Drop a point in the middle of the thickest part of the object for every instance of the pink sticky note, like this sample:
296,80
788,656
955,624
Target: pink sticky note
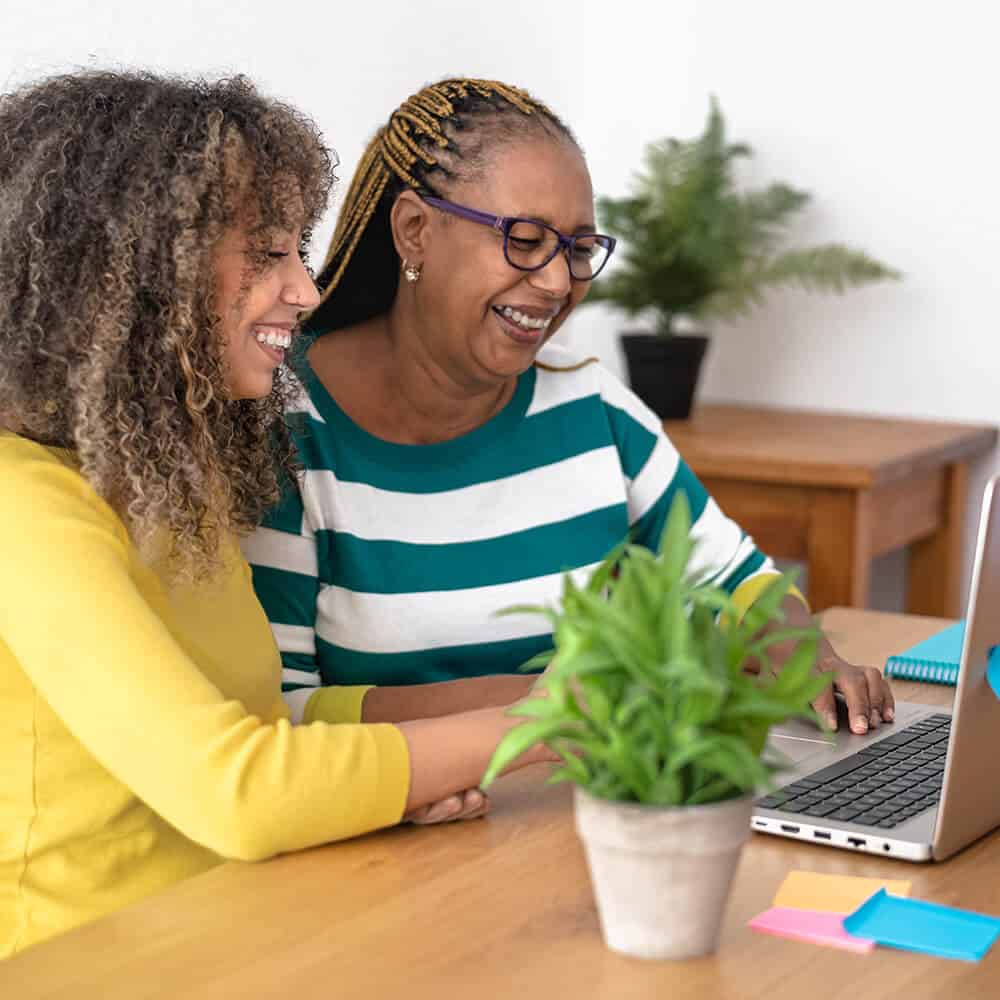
809,925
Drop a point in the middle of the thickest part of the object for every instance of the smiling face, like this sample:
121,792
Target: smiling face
482,318
261,289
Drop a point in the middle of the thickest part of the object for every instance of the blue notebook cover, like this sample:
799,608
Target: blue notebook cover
935,659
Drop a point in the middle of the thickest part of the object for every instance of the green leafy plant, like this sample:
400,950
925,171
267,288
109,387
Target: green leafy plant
694,245
646,698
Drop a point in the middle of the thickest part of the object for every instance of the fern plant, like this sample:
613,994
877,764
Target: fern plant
693,245
646,698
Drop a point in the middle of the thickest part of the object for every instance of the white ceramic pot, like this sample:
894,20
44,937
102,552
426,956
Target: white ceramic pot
662,875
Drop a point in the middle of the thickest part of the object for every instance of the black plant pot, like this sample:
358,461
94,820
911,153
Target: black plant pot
663,371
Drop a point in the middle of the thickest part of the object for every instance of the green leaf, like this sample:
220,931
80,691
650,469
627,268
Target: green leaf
675,542
537,708
518,740
537,662
717,790
530,609
603,573
645,699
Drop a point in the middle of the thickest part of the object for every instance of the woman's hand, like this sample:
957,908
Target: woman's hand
470,804
866,693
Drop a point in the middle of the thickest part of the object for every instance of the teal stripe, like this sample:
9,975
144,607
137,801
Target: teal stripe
635,443
648,529
389,567
287,598
349,666
554,435
298,661
747,568
287,514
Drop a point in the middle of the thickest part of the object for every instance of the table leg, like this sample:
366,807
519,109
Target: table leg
933,585
839,548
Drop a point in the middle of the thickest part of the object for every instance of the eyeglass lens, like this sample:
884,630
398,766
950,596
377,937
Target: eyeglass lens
531,245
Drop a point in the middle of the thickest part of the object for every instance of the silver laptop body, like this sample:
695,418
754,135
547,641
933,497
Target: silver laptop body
967,804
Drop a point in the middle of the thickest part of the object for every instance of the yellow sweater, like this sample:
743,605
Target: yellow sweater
143,736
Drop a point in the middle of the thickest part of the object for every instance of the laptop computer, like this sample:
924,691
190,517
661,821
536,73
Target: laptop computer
923,787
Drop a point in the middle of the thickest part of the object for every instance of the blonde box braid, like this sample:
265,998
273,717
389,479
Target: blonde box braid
439,129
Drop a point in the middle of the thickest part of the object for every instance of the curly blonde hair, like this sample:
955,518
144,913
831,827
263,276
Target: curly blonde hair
115,188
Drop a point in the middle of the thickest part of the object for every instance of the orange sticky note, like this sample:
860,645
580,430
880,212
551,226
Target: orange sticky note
832,893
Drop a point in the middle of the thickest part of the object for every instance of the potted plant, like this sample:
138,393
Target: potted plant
694,247
647,702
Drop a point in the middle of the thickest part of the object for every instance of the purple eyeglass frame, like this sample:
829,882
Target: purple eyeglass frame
504,223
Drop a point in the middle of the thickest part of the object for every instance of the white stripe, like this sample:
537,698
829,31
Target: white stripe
296,702
559,355
546,495
554,389
653,479
281,550
616,394
720,547
294,638
289,676
404,623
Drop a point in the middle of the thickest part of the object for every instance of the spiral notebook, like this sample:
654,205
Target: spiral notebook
934,660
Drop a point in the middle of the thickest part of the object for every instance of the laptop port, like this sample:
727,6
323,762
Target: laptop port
856,841
788,828
821,834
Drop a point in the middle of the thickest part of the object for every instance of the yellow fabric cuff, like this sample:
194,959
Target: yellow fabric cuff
336,704
749,590
393,778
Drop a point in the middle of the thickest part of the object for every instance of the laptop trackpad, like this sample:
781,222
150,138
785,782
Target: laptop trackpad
797,740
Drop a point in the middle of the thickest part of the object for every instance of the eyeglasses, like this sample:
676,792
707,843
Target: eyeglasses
529,244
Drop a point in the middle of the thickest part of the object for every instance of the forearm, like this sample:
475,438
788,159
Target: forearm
450,755
431,701
797,615
866,694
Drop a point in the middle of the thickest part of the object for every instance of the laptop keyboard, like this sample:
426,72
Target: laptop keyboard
882,785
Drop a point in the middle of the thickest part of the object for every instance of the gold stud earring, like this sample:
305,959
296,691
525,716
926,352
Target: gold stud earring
411,271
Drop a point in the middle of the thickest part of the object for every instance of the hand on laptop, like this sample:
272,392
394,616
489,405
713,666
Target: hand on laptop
866,693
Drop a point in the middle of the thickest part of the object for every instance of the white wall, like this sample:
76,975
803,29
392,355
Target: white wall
347,64
885,111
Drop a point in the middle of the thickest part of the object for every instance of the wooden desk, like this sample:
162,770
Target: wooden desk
500,907
834,491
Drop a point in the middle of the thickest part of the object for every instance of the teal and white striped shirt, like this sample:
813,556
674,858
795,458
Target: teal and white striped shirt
389,563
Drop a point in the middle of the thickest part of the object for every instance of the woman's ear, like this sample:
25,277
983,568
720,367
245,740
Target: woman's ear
409,220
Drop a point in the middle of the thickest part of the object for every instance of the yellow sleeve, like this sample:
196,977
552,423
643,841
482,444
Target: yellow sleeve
336,704
749,590
76,615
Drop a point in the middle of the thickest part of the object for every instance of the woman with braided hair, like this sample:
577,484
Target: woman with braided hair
150,283
456,461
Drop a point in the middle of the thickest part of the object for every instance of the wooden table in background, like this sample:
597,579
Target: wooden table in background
834,491
498,908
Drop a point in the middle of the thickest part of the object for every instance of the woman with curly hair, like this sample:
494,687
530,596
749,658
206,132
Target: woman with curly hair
150,284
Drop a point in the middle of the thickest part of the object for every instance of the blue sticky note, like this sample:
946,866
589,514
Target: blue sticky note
916,925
